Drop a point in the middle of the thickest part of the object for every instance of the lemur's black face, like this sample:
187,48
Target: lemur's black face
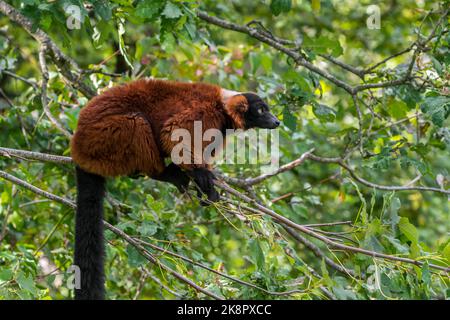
258,114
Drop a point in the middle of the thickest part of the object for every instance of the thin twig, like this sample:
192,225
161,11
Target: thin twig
66,64
110,227
318,253
161,284
16,76
245,283
318,236
44,98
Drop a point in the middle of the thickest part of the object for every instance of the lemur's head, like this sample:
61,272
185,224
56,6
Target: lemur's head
248,110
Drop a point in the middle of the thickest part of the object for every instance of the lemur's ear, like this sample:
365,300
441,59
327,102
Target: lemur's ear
235,107
237,103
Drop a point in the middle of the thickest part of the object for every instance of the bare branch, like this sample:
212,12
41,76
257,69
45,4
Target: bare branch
318,253
161,284
352,173
245,283
359,72
279,218
376,65
339,161
327,224
65,63
271,41
36,190
280,44
289,166
155,261
110,227
7,152
16,76
30,155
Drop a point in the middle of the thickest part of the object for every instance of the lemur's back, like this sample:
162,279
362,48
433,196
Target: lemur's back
119,131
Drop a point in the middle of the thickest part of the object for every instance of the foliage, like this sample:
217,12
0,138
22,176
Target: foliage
391,135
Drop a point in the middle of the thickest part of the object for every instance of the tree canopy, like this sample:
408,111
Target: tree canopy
358,209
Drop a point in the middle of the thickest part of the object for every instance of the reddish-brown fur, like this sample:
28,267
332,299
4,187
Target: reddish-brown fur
127,129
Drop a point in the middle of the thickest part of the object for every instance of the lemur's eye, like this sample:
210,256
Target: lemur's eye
260,110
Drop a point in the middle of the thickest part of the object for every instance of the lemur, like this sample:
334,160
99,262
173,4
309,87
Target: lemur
127,130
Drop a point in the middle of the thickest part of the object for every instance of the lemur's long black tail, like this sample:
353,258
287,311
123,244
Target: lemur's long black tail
89,246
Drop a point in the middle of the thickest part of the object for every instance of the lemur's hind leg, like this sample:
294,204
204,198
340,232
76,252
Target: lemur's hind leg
204,179
174,175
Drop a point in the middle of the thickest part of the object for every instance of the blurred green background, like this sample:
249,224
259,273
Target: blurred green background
405,130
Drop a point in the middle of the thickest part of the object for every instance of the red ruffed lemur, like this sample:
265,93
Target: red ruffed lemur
127,130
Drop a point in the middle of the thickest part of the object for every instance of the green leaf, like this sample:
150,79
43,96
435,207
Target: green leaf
4,197
315,5
147,229
323,45
344,294
266,62
46,21
191,29
437,65
171,11
257,253
397,244
437,108
168,43
103,10
446,252
30,2
5,274
255,61
135,259
324,113
289,119
408,229
406,162
26,282
426,275
397,109
408,94
149,9
393,212
279,6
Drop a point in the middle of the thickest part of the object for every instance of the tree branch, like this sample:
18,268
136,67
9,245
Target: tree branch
318,253
16,76
283,220
260,208
352,173
245,283
279,44
297,57
64,63
110,227
30,155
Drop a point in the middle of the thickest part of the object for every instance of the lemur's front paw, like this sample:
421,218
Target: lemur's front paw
176,176
205,182
182,182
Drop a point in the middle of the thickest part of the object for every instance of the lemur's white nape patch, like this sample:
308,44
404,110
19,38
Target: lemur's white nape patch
227,94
